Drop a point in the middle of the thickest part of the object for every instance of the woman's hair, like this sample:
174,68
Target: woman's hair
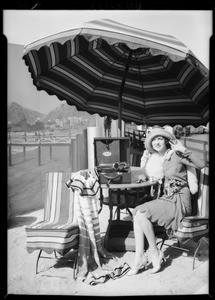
167,143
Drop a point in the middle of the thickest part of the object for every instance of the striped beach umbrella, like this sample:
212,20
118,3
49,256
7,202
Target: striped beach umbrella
123,72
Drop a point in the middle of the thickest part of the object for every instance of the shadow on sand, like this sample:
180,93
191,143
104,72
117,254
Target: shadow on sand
20,221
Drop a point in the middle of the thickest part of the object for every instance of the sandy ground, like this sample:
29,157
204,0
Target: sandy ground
56,277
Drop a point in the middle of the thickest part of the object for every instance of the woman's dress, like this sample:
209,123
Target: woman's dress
169,209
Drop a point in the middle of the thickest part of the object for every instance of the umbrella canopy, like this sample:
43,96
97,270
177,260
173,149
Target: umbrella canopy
123,72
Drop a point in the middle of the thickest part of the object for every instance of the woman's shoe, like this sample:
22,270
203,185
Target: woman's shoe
142,265
157,262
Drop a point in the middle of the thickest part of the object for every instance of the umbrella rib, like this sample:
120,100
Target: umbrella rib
121,90
150,77
178,83
141,82
111,63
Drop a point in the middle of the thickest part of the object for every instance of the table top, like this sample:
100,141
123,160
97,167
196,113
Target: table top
123,186
137,174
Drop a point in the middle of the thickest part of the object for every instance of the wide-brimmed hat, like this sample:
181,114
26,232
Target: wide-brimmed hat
157,132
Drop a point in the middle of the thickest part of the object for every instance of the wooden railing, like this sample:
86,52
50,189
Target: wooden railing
78,150
137,138
36,138
77,147
197,146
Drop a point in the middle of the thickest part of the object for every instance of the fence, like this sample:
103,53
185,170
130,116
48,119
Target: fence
137,139
77,147
200,146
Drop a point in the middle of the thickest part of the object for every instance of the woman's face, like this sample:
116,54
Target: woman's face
159,144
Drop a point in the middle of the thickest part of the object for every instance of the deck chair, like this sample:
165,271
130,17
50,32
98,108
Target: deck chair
195,226
58,232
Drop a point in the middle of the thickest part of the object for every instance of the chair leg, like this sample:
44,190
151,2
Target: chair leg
163,239
75,269
197,249
130,213
162,242
38,261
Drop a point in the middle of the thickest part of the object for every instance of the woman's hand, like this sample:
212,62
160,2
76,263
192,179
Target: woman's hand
176,145
144,158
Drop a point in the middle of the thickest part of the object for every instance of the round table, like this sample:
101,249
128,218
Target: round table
123,189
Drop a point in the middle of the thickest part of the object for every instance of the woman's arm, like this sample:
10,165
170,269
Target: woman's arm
188,157
144,158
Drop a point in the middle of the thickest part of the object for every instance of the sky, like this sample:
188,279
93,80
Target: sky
191,27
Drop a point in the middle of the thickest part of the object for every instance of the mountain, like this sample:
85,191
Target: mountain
16,113
63,111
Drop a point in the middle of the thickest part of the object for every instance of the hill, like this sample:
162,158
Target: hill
16,113
64,111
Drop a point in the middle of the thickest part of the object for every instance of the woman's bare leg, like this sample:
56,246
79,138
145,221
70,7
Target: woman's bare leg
139,247
157,256
139,240
148,230
143,226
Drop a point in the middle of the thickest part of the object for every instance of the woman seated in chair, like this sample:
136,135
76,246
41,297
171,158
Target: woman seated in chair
169,209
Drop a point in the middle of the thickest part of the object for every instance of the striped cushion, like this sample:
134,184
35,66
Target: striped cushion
59,229
193,226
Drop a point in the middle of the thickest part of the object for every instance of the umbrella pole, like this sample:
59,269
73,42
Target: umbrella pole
120,94
120,117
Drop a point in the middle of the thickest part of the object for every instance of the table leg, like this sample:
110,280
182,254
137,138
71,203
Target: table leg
101,200
118,204
126,202
109,221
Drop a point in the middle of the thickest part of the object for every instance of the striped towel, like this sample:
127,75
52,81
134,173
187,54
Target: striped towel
91,250
85,182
